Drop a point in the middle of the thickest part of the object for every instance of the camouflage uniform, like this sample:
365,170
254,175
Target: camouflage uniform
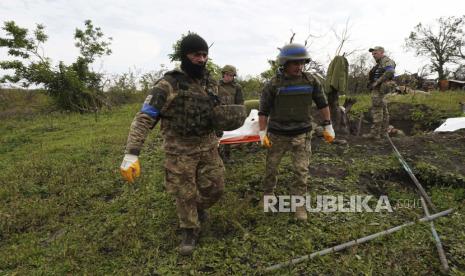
194,172
287,103
381,75
300,148
228,93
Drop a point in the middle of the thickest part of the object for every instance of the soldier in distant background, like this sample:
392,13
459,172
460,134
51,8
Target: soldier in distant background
229,92
380,84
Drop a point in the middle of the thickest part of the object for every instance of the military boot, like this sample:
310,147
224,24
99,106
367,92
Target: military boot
227,154
338,141
301,213
189,241
202,215
372,135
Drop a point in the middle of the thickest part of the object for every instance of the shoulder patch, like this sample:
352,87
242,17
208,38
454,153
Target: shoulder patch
147,100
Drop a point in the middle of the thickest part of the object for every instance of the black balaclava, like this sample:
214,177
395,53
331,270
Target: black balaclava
191,44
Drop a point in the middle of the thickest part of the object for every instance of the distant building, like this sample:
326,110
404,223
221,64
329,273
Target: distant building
456,85
428,85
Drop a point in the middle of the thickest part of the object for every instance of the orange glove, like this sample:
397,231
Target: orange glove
130,168
328,133
264,139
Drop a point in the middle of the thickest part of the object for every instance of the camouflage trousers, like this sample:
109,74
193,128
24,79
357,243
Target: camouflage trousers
379,110
225,152
300,148
196,181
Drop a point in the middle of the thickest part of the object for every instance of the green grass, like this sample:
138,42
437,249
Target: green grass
24,103
444,101
447,102
251,104
65,210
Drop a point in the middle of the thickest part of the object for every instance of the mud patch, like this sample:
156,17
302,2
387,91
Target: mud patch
412,118
322,171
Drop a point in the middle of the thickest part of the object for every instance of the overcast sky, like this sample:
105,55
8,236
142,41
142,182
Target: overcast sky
245,33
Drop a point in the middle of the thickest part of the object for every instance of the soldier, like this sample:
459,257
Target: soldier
285,119
380,83
229,92
184,100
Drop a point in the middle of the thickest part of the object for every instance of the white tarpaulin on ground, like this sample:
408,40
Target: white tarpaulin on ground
248,132
452,124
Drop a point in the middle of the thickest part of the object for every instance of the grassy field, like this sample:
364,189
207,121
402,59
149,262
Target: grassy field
65,210
443,101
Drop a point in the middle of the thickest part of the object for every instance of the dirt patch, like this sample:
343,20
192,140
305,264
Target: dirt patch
436,158
410,118
414,118
445,151
322,171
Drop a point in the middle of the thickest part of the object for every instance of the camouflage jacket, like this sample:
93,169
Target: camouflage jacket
230,93
287,102
161,104
384,70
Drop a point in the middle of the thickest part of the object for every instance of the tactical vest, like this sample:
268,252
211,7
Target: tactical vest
227,93
189,112
293,102
378,72
379,69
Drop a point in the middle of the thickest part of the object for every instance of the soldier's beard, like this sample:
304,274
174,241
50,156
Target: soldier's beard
193,70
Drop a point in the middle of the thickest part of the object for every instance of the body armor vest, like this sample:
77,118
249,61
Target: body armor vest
293,102
189,113
380,68
227,93
378,72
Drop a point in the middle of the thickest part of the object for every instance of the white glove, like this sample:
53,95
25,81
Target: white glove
328,133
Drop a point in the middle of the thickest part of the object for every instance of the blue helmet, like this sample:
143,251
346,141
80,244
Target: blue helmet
293,51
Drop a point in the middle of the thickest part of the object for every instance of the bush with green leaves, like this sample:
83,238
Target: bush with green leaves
74,87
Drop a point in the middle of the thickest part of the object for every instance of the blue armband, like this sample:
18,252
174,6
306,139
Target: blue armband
150,110
389,68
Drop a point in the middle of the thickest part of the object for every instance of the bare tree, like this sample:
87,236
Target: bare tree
358,73
342,37
441,45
